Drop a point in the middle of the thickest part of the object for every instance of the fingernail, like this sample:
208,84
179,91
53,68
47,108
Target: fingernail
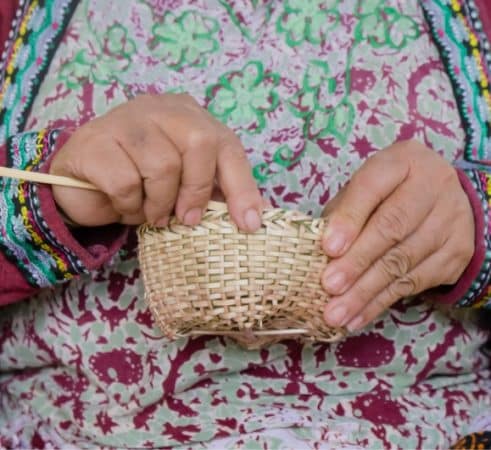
335,282
252,220
355,324
192,217
334,241
162,222
338,315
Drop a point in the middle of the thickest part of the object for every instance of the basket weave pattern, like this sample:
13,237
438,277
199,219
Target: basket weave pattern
257,288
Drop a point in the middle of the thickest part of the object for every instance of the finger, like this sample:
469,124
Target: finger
394,265
237,184
398,216
133,219
371,185
114,173
159,164
199,162
426,275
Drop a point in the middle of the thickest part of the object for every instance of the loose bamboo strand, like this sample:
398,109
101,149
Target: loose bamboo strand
45,178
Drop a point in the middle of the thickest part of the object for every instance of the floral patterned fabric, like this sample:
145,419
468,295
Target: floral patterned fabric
312,87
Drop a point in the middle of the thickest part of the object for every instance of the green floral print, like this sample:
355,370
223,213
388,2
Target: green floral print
307,20
113,56
384,25
243,97
185,40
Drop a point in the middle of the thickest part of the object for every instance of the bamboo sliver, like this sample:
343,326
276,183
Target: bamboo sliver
45,178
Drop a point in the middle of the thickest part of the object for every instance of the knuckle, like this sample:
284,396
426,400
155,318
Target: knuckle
396,263
359,297
404,286
199,140
381,302
124,186
392,224
164,165
155,210
350,216
197,191
138,137
360,262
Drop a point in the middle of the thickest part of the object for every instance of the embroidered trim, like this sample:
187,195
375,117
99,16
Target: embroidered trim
479,294
34,39
26,238
464,48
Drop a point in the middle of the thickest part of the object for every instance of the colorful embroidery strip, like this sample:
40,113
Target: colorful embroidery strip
453,24
38,32
26,238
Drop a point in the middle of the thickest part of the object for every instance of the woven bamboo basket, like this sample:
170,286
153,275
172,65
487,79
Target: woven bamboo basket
212,279
256,288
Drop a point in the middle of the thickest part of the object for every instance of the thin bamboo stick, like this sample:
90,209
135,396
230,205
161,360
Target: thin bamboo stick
45,178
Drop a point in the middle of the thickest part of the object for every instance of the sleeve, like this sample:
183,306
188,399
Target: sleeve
37,249
474,286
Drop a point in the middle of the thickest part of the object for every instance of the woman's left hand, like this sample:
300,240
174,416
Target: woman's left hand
401,226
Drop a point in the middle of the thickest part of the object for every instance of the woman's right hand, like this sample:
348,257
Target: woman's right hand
151,156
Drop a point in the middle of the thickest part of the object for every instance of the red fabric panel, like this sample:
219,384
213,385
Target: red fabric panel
7,13
485,15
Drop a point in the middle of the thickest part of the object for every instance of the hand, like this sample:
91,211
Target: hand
401,226
150,156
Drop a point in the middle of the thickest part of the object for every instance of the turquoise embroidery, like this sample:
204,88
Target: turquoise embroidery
27,239
464,57
479,293
464,51
28,58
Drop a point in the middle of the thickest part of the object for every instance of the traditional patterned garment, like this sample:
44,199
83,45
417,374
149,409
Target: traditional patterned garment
312,87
